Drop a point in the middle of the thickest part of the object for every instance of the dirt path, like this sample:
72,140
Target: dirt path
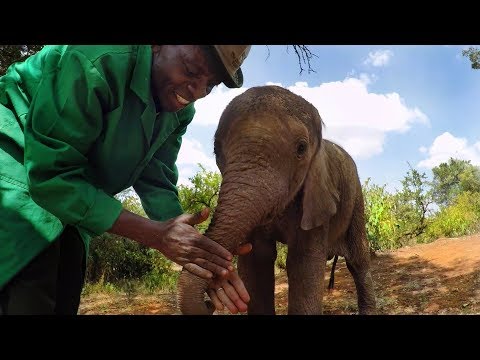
442,277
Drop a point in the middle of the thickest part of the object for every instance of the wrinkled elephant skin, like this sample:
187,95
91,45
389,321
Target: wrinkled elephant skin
283,182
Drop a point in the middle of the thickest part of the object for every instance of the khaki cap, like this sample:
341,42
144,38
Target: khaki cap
232,57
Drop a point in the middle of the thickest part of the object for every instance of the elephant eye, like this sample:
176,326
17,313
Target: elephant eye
301,148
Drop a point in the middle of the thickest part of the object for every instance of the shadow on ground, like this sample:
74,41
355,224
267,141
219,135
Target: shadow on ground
442,277
404,285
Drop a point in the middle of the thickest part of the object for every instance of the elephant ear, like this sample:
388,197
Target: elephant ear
320,195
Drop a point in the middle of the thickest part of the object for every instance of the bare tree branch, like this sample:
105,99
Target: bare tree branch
304,55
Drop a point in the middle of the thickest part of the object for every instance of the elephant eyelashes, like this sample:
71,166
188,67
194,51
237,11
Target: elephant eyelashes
301,148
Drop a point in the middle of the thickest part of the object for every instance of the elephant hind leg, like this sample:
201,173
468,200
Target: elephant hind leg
364,284
358,260
332,274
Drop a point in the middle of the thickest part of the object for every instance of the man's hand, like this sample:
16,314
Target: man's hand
230,291
179,241
183,244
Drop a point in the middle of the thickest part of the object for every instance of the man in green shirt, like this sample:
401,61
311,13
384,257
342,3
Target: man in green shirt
79,124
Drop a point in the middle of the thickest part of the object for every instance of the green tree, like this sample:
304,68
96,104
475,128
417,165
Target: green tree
202,193
474,55
452,178
13,53
462,217
412,205
470,179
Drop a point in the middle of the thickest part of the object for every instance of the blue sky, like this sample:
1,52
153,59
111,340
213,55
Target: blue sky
386,105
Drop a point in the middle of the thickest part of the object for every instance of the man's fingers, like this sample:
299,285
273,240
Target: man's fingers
216,269
240,288
225,299
244,249
199,271
215,300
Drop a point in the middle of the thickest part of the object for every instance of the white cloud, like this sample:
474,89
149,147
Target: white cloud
209,109
366,79
354,117
191,153
273,83
379,58
446,146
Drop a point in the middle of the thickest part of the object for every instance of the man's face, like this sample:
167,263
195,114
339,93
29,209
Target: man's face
182,74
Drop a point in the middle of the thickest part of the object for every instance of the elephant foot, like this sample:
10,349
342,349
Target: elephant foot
368,311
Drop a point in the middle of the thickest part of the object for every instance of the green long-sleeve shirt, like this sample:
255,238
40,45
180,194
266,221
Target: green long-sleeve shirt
77,125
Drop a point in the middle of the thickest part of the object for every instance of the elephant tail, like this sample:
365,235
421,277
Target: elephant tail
332,273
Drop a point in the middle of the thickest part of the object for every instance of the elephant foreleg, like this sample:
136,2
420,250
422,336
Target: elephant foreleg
257,272
306,261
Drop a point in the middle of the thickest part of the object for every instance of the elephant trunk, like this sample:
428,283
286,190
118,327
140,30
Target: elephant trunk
244,202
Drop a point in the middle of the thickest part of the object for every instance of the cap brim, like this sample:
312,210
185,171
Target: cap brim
231,82
234,82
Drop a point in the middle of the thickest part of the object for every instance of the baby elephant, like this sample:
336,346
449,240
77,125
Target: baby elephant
282,181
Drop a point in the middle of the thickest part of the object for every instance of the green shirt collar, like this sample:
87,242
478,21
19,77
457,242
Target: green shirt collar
141,78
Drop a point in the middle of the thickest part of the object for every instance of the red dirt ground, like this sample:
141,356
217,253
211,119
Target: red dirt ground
442,277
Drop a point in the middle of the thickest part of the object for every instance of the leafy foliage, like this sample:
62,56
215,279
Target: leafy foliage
203,193
460,218
470,178
13,53
392,220
474,55
452,178
380,224
412,205
117,260
282,251
113,259
407,216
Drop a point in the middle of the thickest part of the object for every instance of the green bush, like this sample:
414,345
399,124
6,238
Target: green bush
379,217
122,263
392,221
282,250
113,259
165,279
460,218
